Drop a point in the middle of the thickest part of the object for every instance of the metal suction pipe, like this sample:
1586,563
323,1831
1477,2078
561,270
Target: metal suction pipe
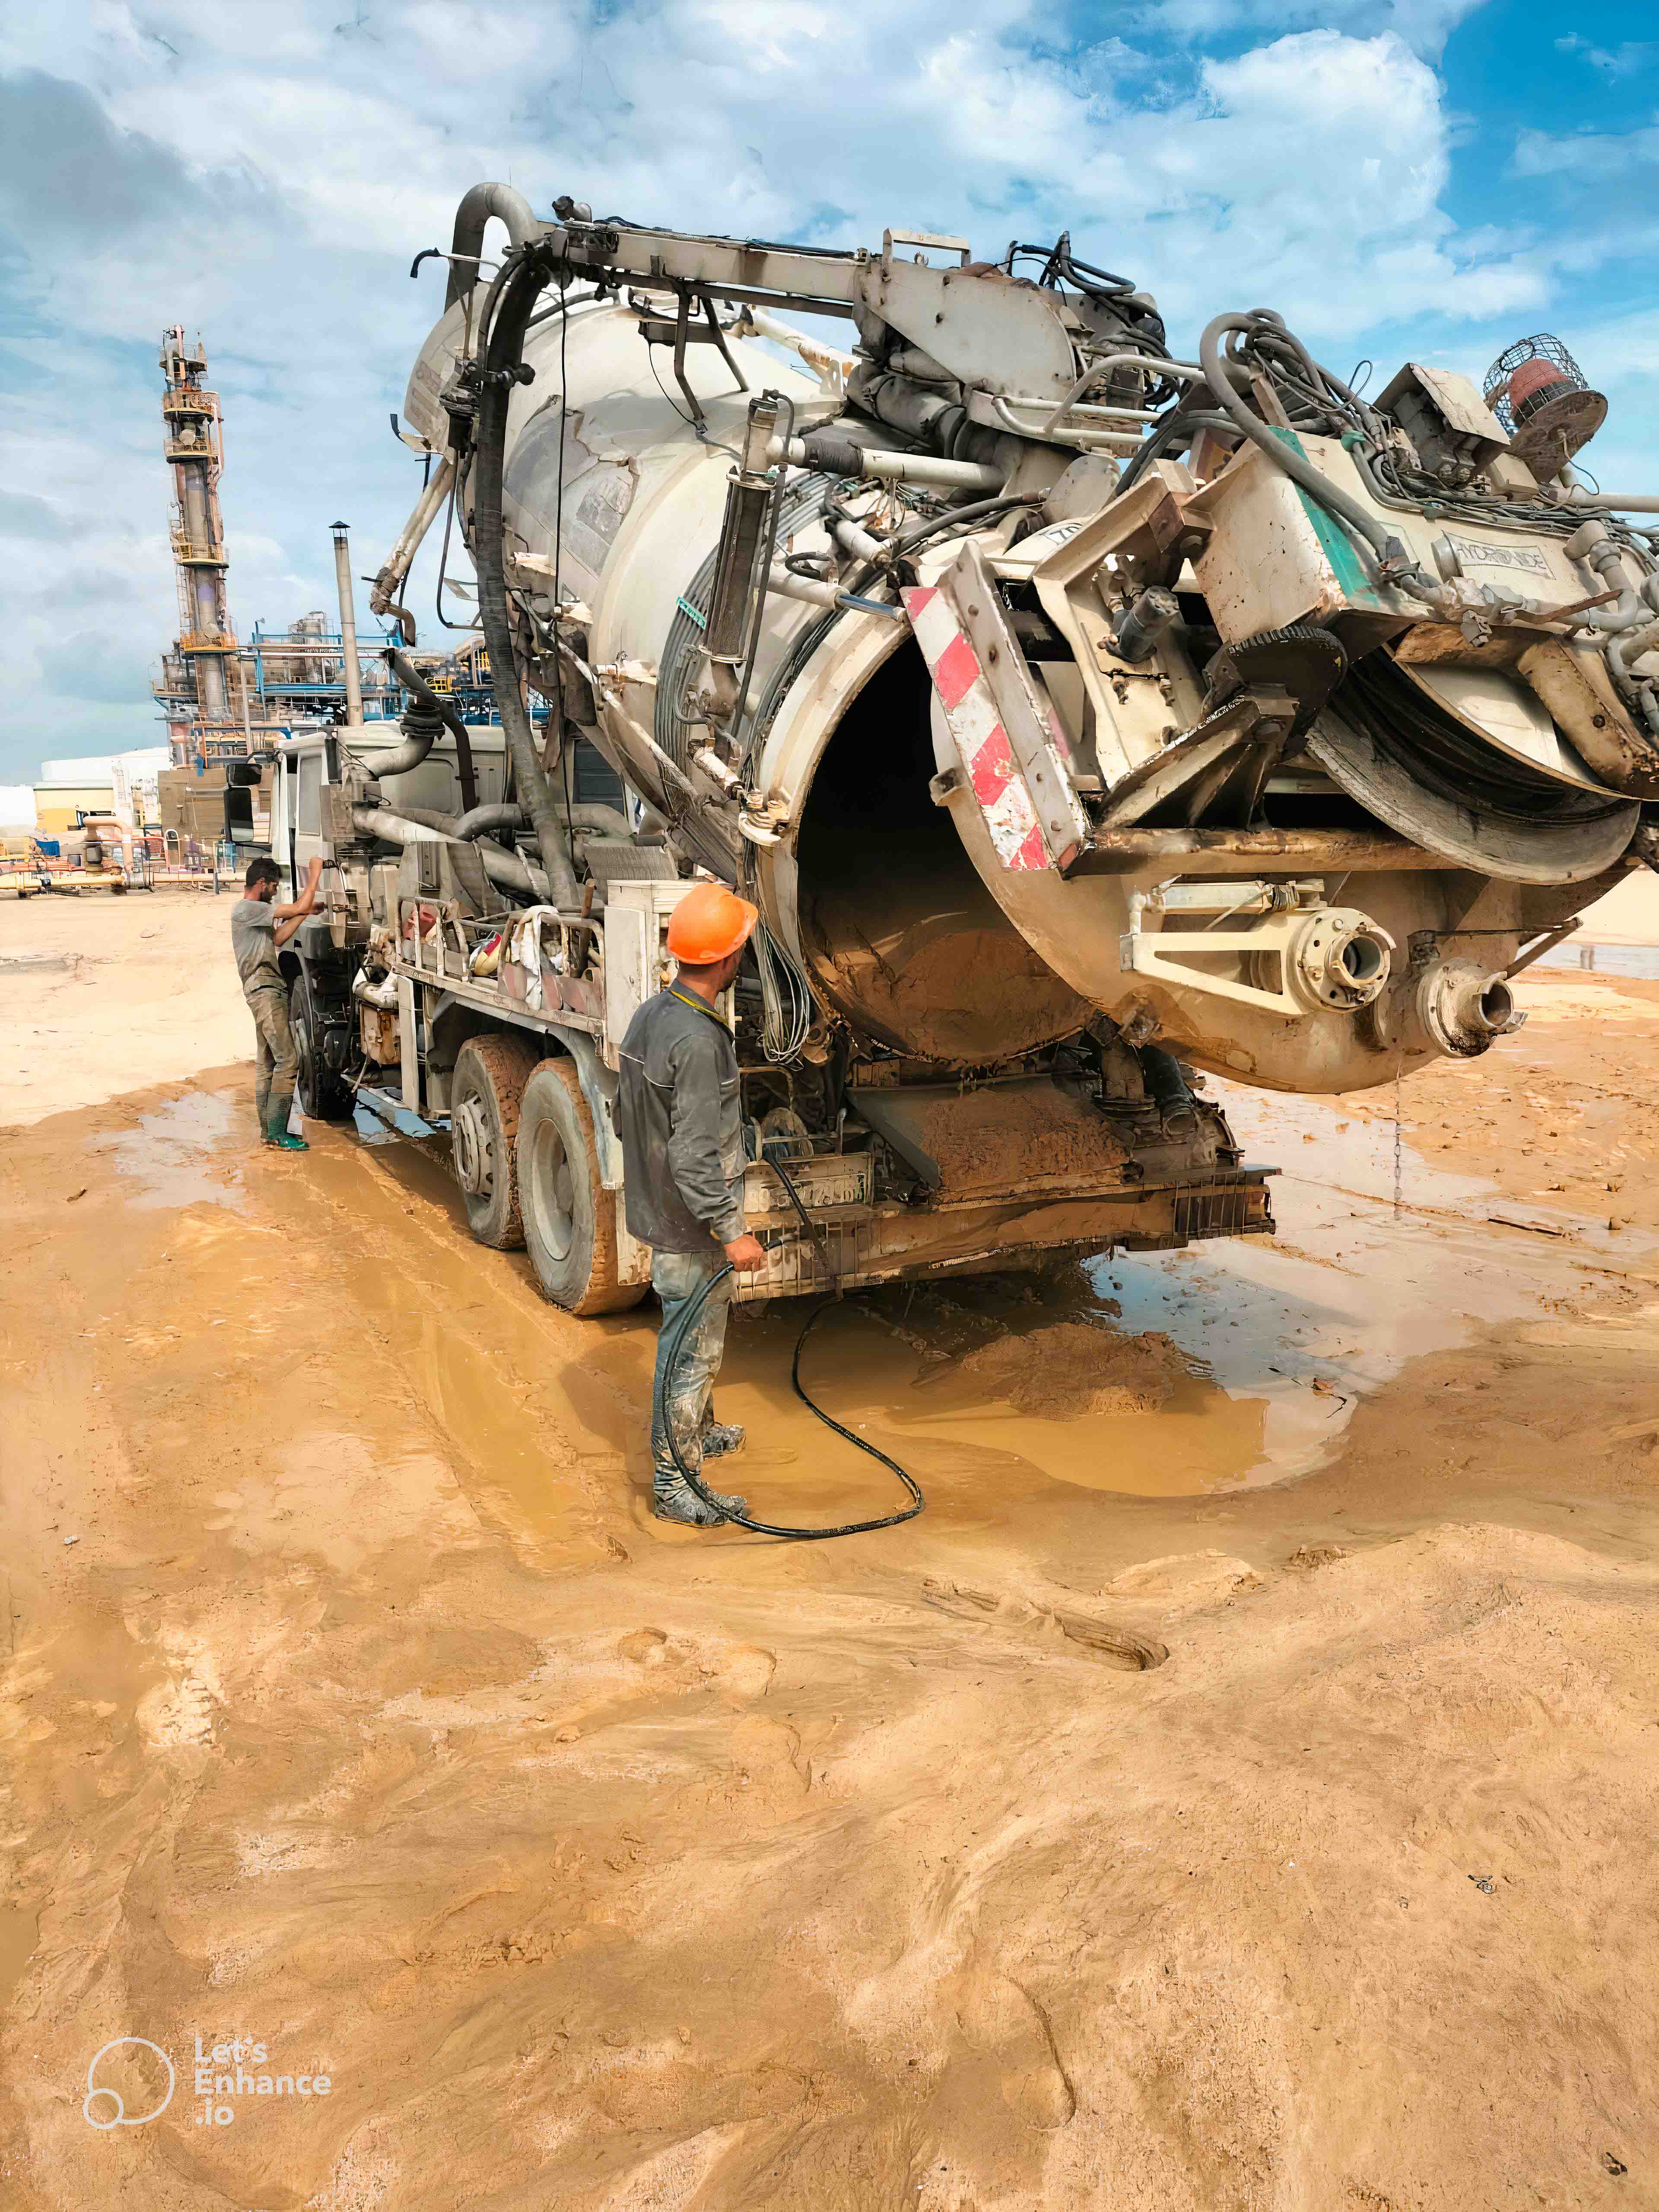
485,821
842,457
383,995
510,869
1591,542
1630,646
475,210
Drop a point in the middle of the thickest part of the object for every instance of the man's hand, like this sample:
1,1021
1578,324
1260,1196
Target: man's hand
295,910
746,1253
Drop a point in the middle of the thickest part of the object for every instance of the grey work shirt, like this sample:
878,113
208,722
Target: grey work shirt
680,1120
254,941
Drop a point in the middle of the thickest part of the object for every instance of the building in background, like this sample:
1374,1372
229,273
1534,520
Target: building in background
125,785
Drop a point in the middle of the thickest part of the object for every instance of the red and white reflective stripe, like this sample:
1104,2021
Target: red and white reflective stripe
987,756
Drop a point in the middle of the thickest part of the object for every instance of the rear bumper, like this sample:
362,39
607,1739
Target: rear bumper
889,1243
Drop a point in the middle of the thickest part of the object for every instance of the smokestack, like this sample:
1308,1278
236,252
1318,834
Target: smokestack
354,681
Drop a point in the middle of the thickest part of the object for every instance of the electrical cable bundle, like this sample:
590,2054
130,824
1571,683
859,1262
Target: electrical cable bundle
786,1001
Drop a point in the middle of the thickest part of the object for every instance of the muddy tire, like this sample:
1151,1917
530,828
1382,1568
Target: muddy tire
485,1101
322,1095
569,1218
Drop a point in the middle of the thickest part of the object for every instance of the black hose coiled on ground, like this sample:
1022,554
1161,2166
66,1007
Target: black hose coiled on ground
663,1393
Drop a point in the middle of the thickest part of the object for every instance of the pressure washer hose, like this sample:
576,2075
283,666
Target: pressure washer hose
663,1395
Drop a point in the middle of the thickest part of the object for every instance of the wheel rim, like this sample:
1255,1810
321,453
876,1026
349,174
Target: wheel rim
475,1163
555,1189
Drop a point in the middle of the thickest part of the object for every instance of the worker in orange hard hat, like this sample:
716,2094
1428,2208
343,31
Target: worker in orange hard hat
680,1117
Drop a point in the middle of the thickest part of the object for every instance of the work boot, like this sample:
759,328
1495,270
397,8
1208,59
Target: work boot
674,1499
719,1439
277,1137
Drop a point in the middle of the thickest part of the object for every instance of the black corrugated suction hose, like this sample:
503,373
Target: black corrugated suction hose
664,1394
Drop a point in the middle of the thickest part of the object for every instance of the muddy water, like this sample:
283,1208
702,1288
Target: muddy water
1282,1340
175,1156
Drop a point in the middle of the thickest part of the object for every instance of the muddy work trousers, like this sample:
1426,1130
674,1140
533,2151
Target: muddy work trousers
275,1061
676,1276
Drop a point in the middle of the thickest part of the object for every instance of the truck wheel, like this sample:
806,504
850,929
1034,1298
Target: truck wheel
485,1105
323,1096
569,1218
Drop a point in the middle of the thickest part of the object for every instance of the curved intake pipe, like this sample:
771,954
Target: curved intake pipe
510,869
383,995
431,712
485,821
482,820
483,201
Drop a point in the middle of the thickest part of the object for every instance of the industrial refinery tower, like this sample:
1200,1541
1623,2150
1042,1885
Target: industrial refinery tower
202,685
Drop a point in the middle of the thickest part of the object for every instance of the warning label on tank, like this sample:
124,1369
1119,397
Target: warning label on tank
1473,555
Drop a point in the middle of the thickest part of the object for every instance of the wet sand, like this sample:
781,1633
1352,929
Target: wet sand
1244,1803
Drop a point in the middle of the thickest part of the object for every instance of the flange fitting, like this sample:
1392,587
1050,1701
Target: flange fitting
1463,1007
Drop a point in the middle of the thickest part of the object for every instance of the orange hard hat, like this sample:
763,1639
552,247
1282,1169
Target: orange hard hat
709,923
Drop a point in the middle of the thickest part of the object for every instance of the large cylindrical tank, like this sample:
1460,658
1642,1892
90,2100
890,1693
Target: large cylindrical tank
897,907
894,923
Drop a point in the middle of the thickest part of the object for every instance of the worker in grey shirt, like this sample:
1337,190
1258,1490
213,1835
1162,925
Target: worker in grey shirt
258,927
680,1118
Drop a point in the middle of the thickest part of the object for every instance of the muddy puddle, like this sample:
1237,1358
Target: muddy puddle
173,1156
1230,1365
1641,961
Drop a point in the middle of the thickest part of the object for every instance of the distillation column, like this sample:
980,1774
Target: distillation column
194,448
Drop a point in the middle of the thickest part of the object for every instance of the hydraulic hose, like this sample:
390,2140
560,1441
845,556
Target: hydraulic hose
663,1395
431,703
505,359
1295,464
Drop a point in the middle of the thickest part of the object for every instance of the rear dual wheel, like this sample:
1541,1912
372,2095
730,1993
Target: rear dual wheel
569,1218
529,1171
490,1075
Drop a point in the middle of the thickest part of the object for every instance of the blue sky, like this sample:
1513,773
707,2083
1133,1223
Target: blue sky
1427,179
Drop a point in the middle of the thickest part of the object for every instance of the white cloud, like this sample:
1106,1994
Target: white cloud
1586,153
266,176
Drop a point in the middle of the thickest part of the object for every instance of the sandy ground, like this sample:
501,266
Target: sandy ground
105,993
1243,1802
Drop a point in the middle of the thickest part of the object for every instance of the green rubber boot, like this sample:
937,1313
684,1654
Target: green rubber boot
277,1137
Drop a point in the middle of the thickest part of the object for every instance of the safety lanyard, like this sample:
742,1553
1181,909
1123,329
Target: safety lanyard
703,1007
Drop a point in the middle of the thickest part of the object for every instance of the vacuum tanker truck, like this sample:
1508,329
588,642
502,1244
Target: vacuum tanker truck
1082,718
